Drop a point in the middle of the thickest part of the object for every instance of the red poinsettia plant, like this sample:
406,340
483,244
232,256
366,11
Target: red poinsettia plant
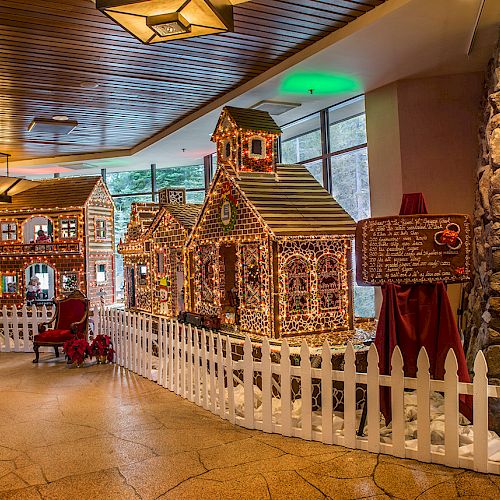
77,350
102,348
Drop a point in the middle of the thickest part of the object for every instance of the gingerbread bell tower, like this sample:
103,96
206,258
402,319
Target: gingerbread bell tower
247,140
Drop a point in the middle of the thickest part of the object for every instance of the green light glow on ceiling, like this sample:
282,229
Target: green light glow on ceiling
320,83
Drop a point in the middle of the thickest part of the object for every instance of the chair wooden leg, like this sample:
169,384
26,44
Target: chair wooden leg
37,354
56,350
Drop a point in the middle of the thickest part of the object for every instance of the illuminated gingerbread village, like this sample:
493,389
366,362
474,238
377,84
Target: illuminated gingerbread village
55,238
268,254
154,254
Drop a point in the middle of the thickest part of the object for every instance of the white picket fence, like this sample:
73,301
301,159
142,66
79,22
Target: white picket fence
197,365
17,326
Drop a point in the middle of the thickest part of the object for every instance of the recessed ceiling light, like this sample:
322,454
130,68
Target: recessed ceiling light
60,118
51,126
275,107
89,85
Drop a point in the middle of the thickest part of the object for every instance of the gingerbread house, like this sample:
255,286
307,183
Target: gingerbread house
154,255
271,251
60,236
136,259
164,242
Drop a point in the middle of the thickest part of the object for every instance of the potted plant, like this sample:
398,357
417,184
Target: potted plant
102,349
77,351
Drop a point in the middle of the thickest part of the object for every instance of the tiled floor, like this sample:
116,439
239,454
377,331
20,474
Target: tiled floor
101,432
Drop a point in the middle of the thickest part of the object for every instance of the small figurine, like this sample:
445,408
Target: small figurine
42,237
33,289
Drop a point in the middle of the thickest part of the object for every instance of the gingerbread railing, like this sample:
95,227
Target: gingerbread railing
40,248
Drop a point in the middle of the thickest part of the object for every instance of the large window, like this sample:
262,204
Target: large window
142,186
331,144
301,143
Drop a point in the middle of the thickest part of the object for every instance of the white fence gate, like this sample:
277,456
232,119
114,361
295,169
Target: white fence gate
17,327
274,395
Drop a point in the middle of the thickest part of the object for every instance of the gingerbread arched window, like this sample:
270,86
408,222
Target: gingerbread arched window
329,282
298,286
257,147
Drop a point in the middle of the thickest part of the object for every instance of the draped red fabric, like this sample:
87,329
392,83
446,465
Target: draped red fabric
415,316
413,203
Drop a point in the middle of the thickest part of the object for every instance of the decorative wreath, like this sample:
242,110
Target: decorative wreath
449,237
234,215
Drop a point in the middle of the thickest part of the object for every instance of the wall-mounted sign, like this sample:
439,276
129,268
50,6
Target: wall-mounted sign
409,249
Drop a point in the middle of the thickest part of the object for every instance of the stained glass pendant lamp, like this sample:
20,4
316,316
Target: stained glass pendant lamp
153,21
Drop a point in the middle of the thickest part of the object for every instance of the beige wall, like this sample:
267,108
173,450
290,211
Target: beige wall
422,137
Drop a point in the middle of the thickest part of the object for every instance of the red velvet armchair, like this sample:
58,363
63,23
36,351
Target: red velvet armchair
70,321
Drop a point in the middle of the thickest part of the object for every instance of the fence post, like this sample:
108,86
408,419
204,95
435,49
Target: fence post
177,358
161,366
373,401
230,383
350,397
220,377
248,383
213,387
190,363
326,394
26,330
183,361
286,390
451,409
204,368
423,406
171,360
196,375
397,403
6,329
267,395
150,348
306,391
34,321
127,318
480,401
118,343
15,328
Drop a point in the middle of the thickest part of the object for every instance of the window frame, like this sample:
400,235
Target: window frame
97,272
64,220
263,153
8,231
103,230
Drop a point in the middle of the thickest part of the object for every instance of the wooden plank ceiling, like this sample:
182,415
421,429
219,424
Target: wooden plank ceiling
51,49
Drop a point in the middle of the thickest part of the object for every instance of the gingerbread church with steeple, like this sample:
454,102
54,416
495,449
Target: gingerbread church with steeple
270,253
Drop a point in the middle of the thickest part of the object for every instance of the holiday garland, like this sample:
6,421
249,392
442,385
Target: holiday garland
227,197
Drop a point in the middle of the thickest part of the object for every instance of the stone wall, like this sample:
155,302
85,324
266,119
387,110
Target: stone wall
482,311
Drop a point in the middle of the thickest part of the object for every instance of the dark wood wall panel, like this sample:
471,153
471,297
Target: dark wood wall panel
49,48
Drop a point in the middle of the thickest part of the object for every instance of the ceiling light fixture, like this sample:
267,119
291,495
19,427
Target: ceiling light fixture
153,21
10,186
52,126
89,85
275,107
60,118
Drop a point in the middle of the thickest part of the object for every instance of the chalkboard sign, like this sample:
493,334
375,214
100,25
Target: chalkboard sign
409,249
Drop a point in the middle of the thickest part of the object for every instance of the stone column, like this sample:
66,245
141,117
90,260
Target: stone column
482,315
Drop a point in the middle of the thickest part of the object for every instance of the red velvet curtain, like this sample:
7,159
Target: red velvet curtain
415,316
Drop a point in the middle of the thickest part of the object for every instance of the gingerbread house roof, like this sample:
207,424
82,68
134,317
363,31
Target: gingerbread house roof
293,203
185,214
64,192
251,119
